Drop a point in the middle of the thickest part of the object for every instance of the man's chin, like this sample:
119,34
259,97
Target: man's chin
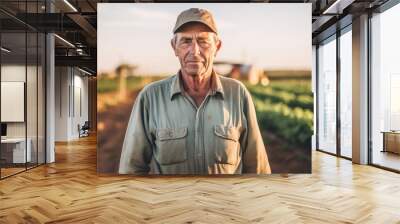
194,72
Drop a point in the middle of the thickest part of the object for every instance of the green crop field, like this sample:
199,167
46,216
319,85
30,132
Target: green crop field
286,109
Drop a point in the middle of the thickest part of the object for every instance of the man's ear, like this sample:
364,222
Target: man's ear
173,46
218,45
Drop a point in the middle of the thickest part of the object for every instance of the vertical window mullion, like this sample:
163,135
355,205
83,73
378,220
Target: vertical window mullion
338,74
26,86
37,89
317,97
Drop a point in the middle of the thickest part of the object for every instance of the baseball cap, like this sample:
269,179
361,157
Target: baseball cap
195,15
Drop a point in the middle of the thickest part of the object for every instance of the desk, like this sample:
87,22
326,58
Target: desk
17,150
391,141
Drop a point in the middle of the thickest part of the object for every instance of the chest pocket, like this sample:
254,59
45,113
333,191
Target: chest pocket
171,145
227,145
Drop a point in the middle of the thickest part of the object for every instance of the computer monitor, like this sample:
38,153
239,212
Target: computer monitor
3,129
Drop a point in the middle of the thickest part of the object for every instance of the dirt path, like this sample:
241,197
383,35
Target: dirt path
284,158
113,122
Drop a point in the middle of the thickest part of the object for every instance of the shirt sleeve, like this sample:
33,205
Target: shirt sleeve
255,159
137,147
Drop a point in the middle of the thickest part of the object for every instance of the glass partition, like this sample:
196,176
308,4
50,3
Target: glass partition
41,86
13,103
22,88
31,97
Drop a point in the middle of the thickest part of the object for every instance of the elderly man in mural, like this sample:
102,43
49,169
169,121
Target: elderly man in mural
194,122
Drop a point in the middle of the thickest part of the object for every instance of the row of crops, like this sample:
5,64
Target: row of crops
286,109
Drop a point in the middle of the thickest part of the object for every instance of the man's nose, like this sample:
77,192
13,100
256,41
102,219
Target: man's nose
194,47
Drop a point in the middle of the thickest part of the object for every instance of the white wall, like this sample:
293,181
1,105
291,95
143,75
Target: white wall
13,73
62,81
71,87
33,125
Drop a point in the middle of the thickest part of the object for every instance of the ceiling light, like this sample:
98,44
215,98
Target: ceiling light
84,71
5,50
71,6
65,41
338,6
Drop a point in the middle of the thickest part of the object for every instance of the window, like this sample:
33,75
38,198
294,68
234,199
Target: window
385,88
346,93
327,96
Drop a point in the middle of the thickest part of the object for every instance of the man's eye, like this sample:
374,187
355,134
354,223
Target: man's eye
204,43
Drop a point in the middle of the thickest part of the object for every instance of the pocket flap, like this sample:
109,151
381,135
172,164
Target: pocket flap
227,132
171,133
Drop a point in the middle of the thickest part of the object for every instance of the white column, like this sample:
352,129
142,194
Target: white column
360,90
50,98
50,92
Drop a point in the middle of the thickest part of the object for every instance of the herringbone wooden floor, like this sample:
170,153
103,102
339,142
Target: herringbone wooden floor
70,191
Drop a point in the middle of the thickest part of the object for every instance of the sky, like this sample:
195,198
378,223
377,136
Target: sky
269,36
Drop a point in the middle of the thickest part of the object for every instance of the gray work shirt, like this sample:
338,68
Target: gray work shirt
221,136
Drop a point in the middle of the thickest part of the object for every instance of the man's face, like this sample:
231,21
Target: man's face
196,47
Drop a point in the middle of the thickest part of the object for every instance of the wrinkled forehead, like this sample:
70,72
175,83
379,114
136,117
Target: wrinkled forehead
192,34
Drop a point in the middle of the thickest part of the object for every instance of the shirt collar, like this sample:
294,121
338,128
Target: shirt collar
216,85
